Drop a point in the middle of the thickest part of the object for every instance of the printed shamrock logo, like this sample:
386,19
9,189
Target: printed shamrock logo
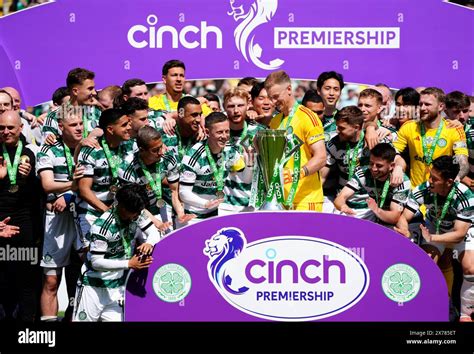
172,282
401,283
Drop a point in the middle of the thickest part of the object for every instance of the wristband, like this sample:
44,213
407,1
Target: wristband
305,170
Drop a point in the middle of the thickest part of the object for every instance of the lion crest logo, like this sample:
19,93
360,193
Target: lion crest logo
259,13
223,247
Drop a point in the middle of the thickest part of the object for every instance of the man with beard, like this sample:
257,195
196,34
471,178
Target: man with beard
426,141
205,168
301,173
238,186
386,203
430,138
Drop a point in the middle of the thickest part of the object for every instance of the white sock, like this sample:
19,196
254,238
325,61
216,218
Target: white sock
49,318
467,296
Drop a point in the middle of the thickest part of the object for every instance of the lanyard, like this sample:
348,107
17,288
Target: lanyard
12,169
167,102
112,160
290,116
384,192
428,155
352,155
155,186
69,161
446,205
218,172
125,236
84,125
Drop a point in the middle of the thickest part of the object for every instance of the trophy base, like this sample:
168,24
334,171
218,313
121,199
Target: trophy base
272,206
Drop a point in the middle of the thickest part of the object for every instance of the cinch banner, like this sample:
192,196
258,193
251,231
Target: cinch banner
287,266
398,42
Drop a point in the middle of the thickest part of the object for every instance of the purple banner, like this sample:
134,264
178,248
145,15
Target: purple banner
287,266
397,42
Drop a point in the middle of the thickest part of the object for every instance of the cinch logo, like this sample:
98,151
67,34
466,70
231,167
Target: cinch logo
285,278
259,13
189,37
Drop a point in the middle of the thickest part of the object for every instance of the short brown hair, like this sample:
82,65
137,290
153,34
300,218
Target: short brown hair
77,76
372,93
436,92
351,115
458,100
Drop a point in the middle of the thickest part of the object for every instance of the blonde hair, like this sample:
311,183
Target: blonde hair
235,92
277,78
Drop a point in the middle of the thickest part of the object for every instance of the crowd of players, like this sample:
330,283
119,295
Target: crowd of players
103,177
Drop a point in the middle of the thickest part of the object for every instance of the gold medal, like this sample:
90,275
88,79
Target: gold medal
160,203
113,189
24,159
220,194
13,188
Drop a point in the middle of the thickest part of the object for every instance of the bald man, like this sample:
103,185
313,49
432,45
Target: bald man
19,194
31,134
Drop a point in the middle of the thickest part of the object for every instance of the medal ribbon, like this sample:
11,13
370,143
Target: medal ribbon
352,155
12,169
428,155
112,160
290,117
446,205
384,192
218,172
167,102
125,236
155,186
69,160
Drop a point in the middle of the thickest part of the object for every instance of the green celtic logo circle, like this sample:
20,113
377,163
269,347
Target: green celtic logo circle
82,315
442,142
172,282
401,283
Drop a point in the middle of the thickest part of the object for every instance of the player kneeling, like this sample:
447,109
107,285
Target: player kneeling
99,296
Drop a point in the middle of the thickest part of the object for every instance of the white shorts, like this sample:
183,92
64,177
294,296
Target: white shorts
98,304
229,209
328,206
59,237
84,223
